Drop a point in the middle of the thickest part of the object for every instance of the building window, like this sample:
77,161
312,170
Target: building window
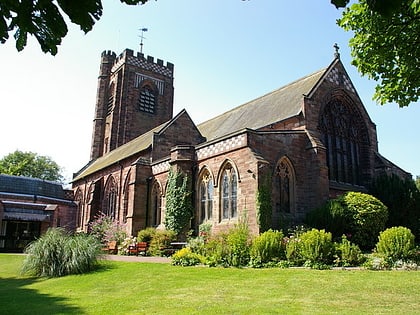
285,185
147,100
109,204
156,201
206,189
80,213
344,136
229,187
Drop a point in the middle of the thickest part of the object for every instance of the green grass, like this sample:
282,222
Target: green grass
145,288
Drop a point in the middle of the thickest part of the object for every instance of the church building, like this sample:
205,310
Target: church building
303,143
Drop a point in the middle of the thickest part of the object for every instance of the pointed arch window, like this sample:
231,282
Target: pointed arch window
109,204
206,189
344,137
147,99
285,185
229,187
80,213
125,199
156,205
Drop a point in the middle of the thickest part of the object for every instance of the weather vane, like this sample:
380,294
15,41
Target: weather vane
142,37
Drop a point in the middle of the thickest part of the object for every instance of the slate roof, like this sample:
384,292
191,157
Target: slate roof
30,186
275,106
128,149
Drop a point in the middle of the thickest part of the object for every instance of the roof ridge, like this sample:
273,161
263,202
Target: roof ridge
266,94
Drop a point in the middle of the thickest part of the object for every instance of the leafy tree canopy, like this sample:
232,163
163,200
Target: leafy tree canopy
386,48
30,164
44,19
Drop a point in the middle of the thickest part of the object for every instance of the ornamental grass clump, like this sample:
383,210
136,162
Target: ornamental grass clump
57,253
396,244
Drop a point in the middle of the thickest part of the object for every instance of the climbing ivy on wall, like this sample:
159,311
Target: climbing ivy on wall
179,207
264,204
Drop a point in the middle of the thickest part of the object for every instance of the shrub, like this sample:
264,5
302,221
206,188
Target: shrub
238,245
267,247
292,246
56,254
316,248
396,243
216,251
185,257
146,235
160,242
359,216
369,217
106,229
123,248
348,254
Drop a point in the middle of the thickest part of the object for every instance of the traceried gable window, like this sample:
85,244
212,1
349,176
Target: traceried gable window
344,136
206,189
147,100
229,192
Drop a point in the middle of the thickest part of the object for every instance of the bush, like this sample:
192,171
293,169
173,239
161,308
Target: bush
396,243
106,229
316,248
267,247
185,257
357,215
56,254
146,235
238,245
216,250
348,254
161,241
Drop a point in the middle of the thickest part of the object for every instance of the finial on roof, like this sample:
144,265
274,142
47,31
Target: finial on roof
336,54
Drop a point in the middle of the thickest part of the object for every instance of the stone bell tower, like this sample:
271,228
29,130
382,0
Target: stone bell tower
134,95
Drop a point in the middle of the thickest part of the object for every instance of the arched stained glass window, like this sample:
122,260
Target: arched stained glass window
229,187
344,135
156,201
206,189
109,204
285,185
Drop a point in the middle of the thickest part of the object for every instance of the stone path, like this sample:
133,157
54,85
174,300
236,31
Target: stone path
150,259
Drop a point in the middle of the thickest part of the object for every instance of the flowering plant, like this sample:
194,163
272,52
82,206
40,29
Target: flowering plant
106,229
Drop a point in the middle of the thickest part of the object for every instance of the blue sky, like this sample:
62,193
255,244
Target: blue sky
225,52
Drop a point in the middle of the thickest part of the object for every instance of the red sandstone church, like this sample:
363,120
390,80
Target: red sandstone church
305,142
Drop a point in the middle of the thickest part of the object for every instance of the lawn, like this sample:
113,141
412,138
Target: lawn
147,288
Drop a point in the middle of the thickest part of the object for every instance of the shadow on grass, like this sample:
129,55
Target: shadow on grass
15,298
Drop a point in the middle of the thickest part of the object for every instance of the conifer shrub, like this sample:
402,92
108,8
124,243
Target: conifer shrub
316,248
396,243
267,247
57,253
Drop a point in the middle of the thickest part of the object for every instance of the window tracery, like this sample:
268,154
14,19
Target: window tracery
229,187
206,189
109,204
285,185
344,136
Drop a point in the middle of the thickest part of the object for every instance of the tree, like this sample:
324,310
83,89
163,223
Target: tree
44,19
31,165
383,7
386,48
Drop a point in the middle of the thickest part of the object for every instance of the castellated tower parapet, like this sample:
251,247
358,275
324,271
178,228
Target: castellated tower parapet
134,95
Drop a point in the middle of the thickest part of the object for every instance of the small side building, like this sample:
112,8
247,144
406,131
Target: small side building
28,207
